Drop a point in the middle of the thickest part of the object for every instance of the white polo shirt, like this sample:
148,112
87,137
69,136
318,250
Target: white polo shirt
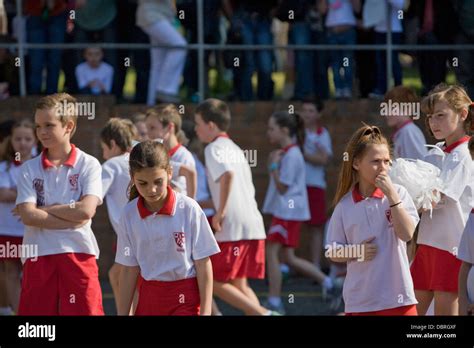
293,204
315,174
43,184
466,254
165,244
181,155
409,142
115,181
444,229
9,224
202,193
243,220
384,282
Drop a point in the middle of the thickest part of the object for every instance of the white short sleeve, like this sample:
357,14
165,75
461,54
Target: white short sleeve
408,204
125,252
25,190
335,233
204,243
215,161
466,247
108,175
91,180
456,176
288,171
326,142
176,166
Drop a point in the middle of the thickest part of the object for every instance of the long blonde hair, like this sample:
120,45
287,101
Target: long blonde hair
356,148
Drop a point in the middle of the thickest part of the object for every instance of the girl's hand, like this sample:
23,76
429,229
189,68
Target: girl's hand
383,182
369,249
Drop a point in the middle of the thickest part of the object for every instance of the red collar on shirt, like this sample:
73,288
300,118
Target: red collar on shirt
451,147
221,135
357,197
16,163
166,209
287,147
319,130
399,128
69,162
172,151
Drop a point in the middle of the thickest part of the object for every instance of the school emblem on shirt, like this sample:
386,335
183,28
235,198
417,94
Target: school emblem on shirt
73,180
180,240
388,215
38,185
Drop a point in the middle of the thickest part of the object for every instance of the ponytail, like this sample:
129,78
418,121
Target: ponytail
293,122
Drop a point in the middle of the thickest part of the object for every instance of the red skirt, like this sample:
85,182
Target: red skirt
434,269
285,232
180,297
239,259
404,310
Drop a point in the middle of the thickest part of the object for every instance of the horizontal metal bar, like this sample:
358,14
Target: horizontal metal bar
110,45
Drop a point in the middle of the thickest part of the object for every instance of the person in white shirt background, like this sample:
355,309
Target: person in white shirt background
94,76
371,223
435,268
287,201
116,142
164,123
18,150
408,140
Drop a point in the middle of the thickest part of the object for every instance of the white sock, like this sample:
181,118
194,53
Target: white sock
6,311
274,301
327,283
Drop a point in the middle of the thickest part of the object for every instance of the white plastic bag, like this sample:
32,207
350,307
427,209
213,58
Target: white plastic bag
421,180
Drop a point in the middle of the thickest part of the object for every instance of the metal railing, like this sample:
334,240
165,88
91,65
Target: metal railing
201,47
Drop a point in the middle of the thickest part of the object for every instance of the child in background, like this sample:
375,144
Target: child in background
116,142
287,201
435,268
237,223
58,193
164,122
94,76
466,255
164,238
18,150
371,223
408,140
138,120
203,196
317,153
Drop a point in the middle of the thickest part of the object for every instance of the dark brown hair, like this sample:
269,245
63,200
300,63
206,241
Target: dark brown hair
215,110
293,122
147,154
9,153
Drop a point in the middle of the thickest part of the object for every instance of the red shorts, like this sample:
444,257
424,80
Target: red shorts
317,205
434,269
286,232
404,310
61,284
239,259
8,242
179,297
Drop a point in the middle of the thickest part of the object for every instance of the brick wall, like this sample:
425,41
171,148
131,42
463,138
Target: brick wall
248,129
